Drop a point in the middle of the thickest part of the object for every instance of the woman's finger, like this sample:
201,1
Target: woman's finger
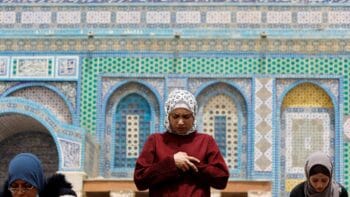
193,159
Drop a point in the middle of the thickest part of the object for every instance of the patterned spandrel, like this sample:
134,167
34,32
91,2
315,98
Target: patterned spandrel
51,100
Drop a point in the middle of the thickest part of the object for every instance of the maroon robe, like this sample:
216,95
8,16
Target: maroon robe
156,170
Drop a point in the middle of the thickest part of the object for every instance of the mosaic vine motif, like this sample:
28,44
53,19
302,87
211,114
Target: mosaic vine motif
6,85
40,95
4,65
243,85
67,67
39,67
155,82
346,127
71,152
69,89
32,67
244,45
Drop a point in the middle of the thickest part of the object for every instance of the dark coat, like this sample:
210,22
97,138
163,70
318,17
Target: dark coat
55,186
298,191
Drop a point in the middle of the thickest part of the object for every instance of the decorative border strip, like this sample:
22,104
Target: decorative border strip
39,67
110,18
304,2
148,47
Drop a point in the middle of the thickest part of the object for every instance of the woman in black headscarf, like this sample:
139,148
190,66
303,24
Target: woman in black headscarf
319,179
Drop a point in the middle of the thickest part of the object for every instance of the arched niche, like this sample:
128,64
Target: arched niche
223,114
307,125
132,112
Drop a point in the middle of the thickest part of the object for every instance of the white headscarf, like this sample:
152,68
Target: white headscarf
180,99
319,158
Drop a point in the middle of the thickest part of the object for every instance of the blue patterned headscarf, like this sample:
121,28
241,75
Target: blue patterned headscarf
27,167
180,99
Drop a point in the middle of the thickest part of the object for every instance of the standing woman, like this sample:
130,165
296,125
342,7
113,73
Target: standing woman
319,179
180,161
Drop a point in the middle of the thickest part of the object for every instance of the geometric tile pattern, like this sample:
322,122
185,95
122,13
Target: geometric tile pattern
307,94
133,118
167,2
36,17
242,48
306,132
132,136
222,113
98,17
263,124
47,98
7,17
220,121
123,136
108,19
309,17
307,125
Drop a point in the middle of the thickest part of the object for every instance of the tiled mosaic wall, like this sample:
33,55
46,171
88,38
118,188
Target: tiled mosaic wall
236,65
157,20
258,51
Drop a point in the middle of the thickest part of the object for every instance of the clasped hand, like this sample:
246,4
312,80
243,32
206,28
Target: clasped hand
185,162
